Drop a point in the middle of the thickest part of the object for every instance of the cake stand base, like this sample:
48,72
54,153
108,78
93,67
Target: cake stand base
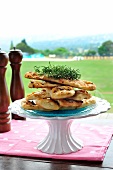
59,139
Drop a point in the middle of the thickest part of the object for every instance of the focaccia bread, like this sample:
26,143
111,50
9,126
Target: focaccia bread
30,105
44,93
88,102
47,105
80,95
58,88
61,92
41,84
81,84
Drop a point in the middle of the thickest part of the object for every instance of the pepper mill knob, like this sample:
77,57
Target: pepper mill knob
5,123
16,87
15,56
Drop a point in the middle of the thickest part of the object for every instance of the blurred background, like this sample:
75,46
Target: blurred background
78,33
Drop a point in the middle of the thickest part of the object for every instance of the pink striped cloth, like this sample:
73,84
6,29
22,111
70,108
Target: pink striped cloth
24,137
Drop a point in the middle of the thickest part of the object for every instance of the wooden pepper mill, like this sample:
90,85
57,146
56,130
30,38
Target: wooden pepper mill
16,87
5,119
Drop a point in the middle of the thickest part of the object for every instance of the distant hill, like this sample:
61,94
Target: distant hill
84,42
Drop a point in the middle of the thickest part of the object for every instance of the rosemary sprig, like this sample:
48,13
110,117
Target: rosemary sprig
58,71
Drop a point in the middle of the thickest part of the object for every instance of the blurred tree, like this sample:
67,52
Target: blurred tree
62,52
47,52
11,45
25,48
106,49
90,53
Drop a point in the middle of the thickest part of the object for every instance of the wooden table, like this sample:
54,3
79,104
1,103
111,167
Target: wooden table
17,163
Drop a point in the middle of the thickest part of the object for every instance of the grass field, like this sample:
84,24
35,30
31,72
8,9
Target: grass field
98,71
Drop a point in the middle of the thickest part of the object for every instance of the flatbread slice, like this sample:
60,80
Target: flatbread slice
72,104
69,103
48,104
80,95
88,102
41,84
81,84
30,105
45,105
61,92
44,93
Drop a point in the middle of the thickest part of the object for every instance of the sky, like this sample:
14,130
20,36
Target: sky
49,19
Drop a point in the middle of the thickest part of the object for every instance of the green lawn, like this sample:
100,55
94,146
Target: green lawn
98,71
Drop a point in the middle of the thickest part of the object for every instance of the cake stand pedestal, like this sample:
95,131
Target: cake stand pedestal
59,139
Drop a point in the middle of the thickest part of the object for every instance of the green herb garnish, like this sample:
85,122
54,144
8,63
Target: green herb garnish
58,72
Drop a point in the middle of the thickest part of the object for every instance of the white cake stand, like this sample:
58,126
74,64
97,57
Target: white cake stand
59,139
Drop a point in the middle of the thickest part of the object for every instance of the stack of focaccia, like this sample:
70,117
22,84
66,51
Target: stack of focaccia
57,94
